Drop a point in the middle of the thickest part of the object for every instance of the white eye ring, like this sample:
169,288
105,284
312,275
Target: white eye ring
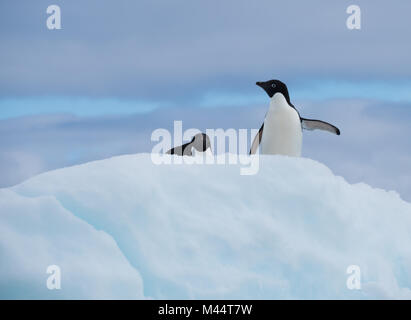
273,85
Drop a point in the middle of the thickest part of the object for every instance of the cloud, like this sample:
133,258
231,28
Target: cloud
17,107
162,50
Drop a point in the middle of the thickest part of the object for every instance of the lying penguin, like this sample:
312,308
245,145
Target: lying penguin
200,143
281,131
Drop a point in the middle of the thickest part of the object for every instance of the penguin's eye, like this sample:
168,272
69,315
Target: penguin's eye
273,85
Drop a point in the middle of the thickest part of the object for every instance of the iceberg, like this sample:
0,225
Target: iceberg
126,228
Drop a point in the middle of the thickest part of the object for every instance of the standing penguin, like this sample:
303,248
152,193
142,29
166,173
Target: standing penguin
281,131
200,143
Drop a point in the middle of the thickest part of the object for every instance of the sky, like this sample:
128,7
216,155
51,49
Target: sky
118,70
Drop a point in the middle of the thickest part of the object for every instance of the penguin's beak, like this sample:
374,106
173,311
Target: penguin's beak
258,83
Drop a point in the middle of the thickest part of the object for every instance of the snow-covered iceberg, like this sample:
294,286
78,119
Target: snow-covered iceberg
127,228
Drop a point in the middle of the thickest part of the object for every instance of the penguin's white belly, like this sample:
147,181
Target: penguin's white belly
282,133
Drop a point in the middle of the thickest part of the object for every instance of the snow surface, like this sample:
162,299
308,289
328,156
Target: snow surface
126,228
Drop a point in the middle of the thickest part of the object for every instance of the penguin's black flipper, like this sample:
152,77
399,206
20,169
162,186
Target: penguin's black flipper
310,124
181,150
257,140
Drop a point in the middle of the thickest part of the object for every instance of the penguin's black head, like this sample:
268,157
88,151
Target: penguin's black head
274,86
201,142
